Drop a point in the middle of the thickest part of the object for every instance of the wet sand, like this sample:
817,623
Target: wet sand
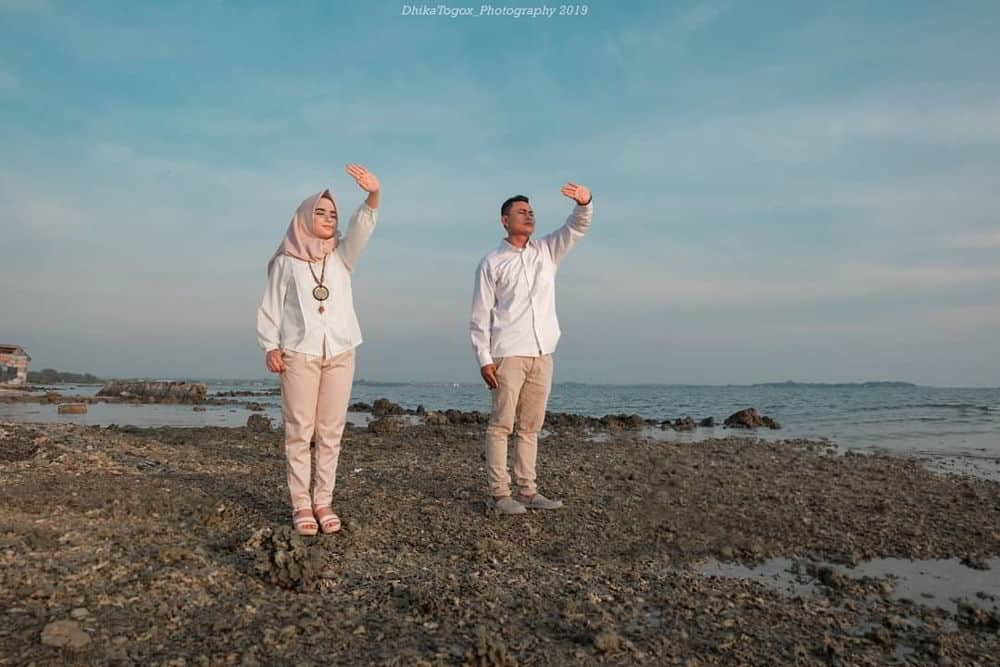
171,546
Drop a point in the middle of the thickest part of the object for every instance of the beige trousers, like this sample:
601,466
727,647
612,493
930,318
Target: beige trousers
520,399
315,392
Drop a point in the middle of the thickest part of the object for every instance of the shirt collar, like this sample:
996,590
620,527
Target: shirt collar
506,245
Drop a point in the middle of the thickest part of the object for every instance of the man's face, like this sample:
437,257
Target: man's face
520,220
325,219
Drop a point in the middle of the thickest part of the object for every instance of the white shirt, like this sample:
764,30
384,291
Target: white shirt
289,317
514,300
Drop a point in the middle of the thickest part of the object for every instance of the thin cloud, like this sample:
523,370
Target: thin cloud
972,240
715,284
10,85
701,16
25,5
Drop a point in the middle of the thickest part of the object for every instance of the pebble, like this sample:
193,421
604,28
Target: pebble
65,633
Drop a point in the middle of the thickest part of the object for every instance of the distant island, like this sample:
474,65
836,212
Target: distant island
52,376
373,383
792,383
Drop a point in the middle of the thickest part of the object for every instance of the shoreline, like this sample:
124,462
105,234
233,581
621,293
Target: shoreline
174,543
233,408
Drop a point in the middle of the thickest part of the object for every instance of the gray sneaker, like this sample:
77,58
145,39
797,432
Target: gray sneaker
540,502
505,505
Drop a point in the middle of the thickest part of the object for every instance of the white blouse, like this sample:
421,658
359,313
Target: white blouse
289,316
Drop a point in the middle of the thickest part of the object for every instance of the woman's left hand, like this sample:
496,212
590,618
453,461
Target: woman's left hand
367,181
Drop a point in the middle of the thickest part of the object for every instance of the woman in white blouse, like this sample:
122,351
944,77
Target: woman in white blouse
307,327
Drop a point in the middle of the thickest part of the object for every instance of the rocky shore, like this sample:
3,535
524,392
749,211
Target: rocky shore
171,546
747,418
154,393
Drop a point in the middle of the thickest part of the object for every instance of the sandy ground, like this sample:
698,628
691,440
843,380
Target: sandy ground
172,546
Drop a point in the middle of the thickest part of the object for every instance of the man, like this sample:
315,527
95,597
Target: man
514,333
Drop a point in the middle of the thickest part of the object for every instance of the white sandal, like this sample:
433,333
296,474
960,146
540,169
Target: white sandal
305,524
329,523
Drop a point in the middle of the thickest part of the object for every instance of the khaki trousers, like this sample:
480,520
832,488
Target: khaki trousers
520,399
315,392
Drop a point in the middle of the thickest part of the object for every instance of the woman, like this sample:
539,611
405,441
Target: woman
307,326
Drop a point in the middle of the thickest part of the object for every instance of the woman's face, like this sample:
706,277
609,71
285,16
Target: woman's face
325,218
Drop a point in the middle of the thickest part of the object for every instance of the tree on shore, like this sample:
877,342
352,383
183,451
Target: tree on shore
52,376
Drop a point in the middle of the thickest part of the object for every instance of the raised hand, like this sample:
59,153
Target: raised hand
578,193
367,181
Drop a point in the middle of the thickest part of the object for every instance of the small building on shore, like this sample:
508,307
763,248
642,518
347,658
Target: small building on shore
13,365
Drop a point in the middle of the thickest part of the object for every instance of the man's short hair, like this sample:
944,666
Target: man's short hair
505,207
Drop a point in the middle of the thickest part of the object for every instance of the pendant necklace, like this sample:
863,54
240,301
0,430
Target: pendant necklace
320,292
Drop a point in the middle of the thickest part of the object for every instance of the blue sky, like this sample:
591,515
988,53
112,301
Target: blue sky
783,190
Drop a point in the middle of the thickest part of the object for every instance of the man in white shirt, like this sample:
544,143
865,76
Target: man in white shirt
514,332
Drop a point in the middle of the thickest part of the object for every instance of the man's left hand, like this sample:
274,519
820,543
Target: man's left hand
578,193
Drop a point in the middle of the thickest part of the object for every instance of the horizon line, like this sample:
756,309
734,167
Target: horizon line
366,381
